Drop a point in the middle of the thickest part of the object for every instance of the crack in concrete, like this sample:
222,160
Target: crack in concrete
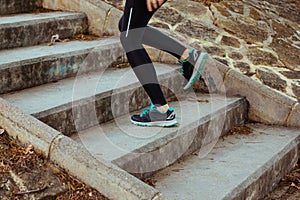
291,113
57,137
107,17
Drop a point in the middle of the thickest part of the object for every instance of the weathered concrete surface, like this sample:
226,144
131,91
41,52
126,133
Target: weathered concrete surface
33,29
112,181
103,18
143,151
107,95
265,105
73,157
26,128
15,6
239,167
32,66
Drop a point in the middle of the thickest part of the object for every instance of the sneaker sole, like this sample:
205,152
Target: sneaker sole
197,73
156,123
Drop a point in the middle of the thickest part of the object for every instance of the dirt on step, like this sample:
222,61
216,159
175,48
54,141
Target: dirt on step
27,174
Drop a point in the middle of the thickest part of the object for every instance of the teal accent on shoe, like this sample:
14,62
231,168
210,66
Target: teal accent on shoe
171,109
184,61
191,51
147,110
181,63
198,72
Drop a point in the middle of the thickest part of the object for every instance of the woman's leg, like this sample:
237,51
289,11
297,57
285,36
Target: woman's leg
157,39
133,26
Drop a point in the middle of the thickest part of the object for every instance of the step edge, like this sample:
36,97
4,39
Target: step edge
50,57
174,135
242,188
101,95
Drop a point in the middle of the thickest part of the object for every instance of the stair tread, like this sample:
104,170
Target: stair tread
32,18
52,95
116,139
232,165
25,55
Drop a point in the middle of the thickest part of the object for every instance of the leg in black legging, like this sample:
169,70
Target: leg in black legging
159,40
135,33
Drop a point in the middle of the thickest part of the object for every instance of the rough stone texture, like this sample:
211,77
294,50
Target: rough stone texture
33,29
271,79
26,128
256,30
39,65
291,74
170,15
267,32
55,104
230,41
250,33
217,51
296,90
243,67
15,6
185,140
265,105
100,23
112,181
142,151
31,179
259,57
107,108
288,53
111,22
235,168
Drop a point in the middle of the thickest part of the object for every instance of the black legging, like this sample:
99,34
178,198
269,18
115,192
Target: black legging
138,33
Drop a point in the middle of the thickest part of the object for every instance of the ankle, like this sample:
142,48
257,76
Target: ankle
163,108
185,55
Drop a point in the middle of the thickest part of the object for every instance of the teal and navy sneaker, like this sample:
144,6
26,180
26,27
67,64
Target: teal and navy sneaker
192,67
151,116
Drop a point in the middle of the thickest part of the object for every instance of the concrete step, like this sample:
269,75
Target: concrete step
17,6
106,94
31,29
245,166
142,151
26,67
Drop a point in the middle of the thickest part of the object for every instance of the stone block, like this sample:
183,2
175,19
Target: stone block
26,128
294,119
107,103
213,74
71,59
33,29
16,6
108,179
153,53
95,10
265,105
191,136
168,58
112,22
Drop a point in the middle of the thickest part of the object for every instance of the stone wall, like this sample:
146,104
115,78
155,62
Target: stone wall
260,39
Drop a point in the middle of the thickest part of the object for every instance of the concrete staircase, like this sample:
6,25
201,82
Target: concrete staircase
75,88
